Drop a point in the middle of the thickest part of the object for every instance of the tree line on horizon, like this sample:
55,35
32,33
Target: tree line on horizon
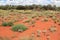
29,7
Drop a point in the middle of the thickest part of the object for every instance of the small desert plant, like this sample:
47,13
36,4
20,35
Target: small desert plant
27,21
10,24
44,31
27,12
33,16
52,29
5,24
54,18
19,27
37,18
45,19
33,22
38,33
33,34
48,37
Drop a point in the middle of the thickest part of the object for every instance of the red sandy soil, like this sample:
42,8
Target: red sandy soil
39,25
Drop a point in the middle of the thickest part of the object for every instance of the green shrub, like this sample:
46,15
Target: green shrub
5,24
10,23
19,27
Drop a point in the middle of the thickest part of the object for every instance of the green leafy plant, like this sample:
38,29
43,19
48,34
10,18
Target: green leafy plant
5,24
19,27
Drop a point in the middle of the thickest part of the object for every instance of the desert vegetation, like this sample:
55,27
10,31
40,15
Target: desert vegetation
29,22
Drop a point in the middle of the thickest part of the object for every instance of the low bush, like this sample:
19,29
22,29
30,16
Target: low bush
19,27
10,23
7,23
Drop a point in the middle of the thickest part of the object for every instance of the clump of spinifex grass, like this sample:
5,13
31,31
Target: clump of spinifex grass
48,37
37,18
32,23
44,20
44,31
27,21
54,18
38,33
53,29
34,16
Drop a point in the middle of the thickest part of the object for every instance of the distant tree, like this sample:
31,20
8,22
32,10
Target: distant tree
30,7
